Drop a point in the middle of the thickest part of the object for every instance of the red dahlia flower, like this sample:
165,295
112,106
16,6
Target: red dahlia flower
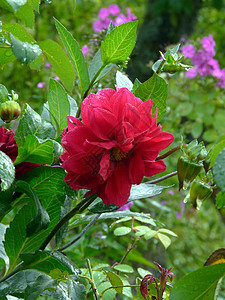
114,147
8,146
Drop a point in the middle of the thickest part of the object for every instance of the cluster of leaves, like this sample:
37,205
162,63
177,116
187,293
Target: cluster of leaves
41,198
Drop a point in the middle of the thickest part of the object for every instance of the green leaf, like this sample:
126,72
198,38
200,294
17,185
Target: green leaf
3,93
35,288
115,281
48,184
75,54
219,170
96,65
123,81
18,31
143,272
220,200
33,124
124,268
164,230
26,14
5,201
37,63
35,4
216,150
155,88
65,209
3,254
145,190
119,44
60,62
24,51
122,231
69,289
59,105
46,261
210,135
144,220
137,83
41,220
16,4
164,239
150,234
6,56
17,284
199,284
196,130
106,216
108,295
100,207
7,171
35,151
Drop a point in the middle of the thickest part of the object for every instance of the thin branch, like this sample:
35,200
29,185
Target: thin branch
168,153
129,249
94,288
81,234
162,178
119,286
77,209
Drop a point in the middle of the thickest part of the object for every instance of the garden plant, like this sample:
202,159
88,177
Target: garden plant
72,168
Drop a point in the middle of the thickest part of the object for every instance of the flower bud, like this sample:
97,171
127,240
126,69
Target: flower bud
187,170
3,93
9,110
199,191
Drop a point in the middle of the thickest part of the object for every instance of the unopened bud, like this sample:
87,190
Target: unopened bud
9,110
187,170
199,191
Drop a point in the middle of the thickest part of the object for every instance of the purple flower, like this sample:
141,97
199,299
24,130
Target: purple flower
103,13
48,65
98,25
163,202
57,78
121,19
208,44
114,9
180,214
40,85
126,206
221,82
171,192
130,16
84,50
188,51
191,73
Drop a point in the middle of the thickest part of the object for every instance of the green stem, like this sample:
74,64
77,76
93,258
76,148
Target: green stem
92,279
77,209
118,286
89,87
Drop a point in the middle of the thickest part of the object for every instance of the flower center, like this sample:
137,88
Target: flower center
118,154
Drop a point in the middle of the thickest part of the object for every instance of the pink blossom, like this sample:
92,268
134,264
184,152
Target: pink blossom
48,65
130,16
188,51
191,73
84,50
114,9
40,85
221,82
98,25
115,146
121,19
126,206
57,78
208,44
103,13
